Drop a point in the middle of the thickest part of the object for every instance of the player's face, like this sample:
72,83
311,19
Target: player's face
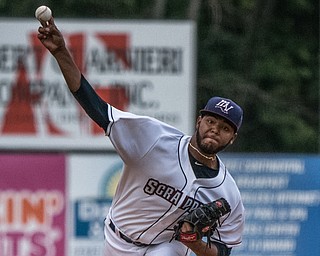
213,134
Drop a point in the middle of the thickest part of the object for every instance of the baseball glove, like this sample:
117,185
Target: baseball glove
203,221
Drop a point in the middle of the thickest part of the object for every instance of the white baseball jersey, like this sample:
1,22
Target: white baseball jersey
158,184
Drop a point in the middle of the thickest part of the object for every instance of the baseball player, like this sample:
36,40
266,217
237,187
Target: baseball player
175,194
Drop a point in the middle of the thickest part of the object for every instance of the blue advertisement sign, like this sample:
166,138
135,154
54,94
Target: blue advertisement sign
281,194
89,217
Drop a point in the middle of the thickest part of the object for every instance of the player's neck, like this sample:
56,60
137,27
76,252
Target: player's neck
208,160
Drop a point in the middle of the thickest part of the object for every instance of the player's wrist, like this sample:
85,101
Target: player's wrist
60,52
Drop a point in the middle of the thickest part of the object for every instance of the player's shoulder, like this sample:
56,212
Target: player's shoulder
140,124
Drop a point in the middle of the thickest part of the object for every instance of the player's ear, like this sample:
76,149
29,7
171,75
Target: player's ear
198,122
233,138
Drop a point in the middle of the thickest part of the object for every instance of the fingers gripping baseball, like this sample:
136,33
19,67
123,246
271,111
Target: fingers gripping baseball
50,36
201,222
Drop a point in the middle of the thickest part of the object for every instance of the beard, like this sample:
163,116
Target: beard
208,149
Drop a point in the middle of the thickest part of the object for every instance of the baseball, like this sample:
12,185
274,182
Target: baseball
43,13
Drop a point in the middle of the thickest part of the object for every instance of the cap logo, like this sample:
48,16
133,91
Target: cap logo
224,106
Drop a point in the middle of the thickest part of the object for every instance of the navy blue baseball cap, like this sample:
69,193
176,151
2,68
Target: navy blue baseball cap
225,108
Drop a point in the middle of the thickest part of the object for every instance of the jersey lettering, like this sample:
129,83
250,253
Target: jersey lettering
189,204
170,194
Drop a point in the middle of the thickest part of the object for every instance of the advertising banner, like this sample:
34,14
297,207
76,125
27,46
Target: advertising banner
32,205
93,180
281,194
143,67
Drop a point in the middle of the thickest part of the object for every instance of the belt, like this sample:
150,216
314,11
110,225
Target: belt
123,236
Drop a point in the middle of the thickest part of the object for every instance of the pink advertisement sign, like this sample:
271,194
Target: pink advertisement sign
32,204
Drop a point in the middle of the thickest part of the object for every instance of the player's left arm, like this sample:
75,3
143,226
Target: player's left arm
201,248
192,227
95,107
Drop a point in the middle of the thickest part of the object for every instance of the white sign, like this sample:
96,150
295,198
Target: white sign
143,67
92,183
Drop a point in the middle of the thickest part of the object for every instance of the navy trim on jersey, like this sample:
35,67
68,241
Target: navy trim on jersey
90,101
180,164
207,187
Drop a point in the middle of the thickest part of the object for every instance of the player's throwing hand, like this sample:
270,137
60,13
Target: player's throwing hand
50,36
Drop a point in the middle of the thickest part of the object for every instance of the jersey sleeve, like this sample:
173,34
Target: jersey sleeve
94,106
133,136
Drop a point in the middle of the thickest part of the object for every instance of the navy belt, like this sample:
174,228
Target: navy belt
123,236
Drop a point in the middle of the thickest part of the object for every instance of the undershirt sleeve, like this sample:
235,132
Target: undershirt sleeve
93,105
222,249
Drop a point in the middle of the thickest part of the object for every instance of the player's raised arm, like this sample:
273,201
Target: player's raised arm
95,107
52,39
